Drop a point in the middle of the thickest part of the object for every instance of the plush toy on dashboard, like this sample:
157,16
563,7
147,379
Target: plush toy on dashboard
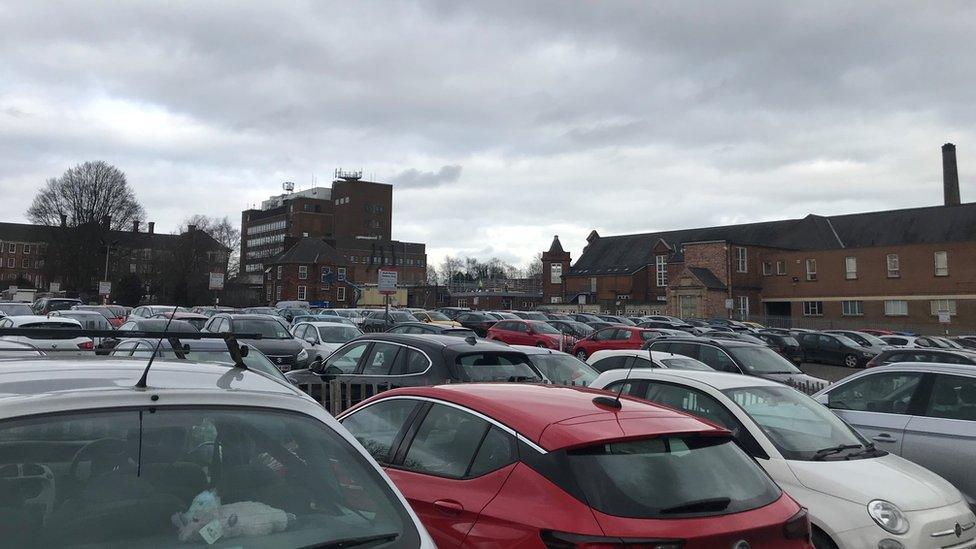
211,521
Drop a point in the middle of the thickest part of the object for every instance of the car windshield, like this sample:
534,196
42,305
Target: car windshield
339,333
15,309
544,328
186,477
796,424
583,329
269,329
685,363
401,316
345,313
495,366
255,359
434,315
846,340
532,315
564,369
791,341
104,311
261,310
158,324
684,476
762,360
61,305
89,321
868,339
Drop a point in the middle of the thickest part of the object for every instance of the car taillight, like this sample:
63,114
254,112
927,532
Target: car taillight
798,527
86,346
563,540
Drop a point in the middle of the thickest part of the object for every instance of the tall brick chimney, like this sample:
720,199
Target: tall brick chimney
950,175
152,227
135,225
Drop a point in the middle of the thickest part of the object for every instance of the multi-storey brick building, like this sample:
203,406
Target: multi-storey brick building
896,268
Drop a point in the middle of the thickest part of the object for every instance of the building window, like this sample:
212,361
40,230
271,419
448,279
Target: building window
341,274
943,306
11,262
813,308
781,267
853,308
279,272
27,248
326,271
302,272
896,307
341,293
661,270
593,284
743,307
25,263
767,268
555,299
894,266
850,268
268,294
462,303
811,270
741,260
302,292
278,293
12,248
555,273
941,263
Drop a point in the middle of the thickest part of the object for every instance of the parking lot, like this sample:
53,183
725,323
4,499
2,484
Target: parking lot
826,371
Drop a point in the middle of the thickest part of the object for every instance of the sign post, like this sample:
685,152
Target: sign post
216,283
386,283
945,318
105,289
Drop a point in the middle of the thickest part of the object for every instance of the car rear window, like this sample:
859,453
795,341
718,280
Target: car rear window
495,366
682,476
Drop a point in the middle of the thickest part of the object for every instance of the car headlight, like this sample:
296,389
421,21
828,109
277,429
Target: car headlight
868,355
888,516
302,355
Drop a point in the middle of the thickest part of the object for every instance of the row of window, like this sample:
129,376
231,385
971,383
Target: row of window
463,302
11,247
270,252
264,240
25,263
303,293
377,260
892,266
892,307
374,208
266,227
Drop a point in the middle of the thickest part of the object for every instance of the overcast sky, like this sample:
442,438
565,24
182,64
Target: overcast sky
500,123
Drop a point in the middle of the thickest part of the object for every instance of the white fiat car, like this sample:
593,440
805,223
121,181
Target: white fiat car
203,455
859,497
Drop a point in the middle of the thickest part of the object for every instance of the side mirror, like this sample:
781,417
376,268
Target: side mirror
328,373
823,399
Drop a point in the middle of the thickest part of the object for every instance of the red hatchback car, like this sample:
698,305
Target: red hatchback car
615,338
535,333
543,466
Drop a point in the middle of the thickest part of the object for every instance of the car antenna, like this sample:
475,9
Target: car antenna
141,384
614,402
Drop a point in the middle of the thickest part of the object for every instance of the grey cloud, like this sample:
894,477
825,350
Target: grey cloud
414,179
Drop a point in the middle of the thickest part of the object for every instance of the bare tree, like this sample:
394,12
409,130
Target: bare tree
87,193
223,231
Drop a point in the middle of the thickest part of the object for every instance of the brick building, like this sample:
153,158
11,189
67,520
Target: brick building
310,270
887,268
497,301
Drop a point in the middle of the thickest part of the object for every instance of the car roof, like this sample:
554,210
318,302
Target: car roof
530,350
715,341
437,340
925,367
20,320
556,417
326,323
718,380
636,352
246,316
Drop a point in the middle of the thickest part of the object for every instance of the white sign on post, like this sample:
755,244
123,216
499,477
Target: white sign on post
104,288
730,304
216,281
387,282
945,317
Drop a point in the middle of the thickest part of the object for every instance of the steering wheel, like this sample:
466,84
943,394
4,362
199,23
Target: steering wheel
108,453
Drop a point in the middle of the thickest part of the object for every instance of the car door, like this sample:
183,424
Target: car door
718,359
829,350
811,347
449,468
878,405
620,340
942,435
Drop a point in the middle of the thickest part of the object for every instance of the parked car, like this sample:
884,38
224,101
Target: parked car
429,328
277,343
665,318
572,328
941,356
669,326
735,336
149,311
477,321
602,361
452,312
836,349
601,324
913,342
613,337
322,318
114,314
209,311
585,318
530,315
739,357
259,310
876,332
10,308
858,495
378,320
550,466
535,333
616,319
18,349
321,339
293,304
556,316
966,343
559,367
863,339
436,317
59,346
45,305
198,320
502,315
923,412
289,313
784,344
111,465
89,320
197,351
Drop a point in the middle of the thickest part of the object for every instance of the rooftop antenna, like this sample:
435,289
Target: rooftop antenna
614,402
288,186
141,384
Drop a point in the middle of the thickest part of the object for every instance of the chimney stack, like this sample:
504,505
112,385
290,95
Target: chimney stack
152,226
950,175
135,225
190,228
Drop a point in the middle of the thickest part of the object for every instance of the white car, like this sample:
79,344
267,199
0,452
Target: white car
602,361
203,453
915,342
71,346
321,339
859,497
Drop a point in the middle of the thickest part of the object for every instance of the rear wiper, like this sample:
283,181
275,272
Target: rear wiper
820,454
698,506
353,542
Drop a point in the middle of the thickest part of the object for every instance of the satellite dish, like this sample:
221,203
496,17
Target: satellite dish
288,186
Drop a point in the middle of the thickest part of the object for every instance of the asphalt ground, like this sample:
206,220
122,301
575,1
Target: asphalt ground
824,371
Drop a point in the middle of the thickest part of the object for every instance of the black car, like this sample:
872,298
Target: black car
861,338
477,321
738,357
734,336
966,342
198,351
403,360
616,319
585,318
156,325
502,315
45,305
668,325
452,312
784,344
943,356
601,324
556,316
530,315
835,349
378,320
430,328
277,343
572,328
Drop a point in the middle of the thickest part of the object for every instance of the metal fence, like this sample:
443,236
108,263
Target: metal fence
808,387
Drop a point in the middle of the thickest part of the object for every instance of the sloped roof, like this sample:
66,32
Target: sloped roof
309,250
629,253
556,247
25,232
708,278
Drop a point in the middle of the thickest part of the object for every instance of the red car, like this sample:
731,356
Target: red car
615,338
535,333
545,466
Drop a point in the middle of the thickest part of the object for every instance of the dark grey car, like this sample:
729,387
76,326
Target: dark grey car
277,343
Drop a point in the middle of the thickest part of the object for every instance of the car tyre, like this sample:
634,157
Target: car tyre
850,361
822,541
581,354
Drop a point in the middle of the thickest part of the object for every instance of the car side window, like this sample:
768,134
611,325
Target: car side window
639,362
609,363
377,427
686,349
622,335
409,362
692,401
924,342
953,397
885,392
604,334
717,359
446,442
300,331
381,359
828,342
521,327
122,349
497,450
347,359
400,330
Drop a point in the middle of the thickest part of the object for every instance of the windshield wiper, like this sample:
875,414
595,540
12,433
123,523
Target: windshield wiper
698,506
821,454
869,448
353,542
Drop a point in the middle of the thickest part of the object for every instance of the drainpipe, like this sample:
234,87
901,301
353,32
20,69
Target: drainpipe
728,266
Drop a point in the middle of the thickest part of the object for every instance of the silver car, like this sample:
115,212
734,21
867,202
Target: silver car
924,412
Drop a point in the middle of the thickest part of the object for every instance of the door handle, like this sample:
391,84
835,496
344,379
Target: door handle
449,507
884,437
